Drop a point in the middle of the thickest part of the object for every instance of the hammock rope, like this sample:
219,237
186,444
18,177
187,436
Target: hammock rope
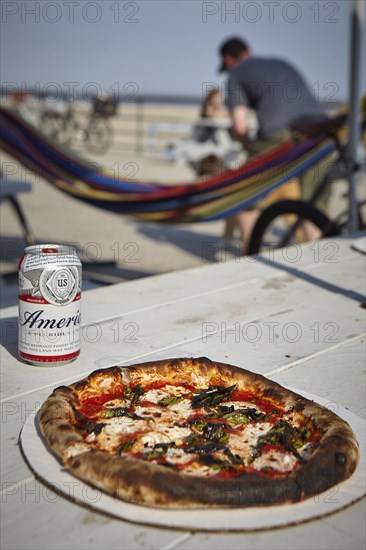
211,199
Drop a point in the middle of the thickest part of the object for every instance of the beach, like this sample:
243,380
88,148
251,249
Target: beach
116,247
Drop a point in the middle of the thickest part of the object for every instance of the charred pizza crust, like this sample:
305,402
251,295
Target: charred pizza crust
139,481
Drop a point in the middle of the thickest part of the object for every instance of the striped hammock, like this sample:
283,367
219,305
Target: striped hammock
210,199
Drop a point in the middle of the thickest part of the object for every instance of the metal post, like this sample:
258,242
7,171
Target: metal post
140,125
357,34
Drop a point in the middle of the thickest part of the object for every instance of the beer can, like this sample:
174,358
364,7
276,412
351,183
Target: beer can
49,304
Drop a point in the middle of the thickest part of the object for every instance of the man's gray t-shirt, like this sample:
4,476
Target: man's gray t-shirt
274,89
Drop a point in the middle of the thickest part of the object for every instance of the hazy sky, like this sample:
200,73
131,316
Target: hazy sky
167,47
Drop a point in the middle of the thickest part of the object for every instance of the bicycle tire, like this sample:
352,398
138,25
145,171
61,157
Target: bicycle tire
56,126
99,136
303,210
50,125
76,132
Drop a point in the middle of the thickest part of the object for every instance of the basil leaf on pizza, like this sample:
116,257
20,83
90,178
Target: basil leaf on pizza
196,433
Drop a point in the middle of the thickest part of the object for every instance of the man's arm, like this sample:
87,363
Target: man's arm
239,117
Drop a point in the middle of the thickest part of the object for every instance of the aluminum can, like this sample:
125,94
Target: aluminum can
49,304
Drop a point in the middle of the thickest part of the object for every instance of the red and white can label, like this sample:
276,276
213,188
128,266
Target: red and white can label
47,334
49,308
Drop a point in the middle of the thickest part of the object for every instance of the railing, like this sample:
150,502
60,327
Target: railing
145,127
143,124
135,125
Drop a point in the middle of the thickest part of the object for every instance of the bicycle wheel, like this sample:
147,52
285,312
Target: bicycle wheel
56,127
77,132
288,222
51,124
99,135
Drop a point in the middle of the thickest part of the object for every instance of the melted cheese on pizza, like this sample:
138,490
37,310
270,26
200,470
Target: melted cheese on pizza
208,431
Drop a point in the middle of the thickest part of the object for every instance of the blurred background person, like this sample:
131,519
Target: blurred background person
210,138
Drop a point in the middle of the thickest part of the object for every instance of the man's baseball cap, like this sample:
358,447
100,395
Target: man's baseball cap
234,47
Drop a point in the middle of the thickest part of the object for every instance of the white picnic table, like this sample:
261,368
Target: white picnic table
294,315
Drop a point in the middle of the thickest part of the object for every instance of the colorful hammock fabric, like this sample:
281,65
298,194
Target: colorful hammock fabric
207,200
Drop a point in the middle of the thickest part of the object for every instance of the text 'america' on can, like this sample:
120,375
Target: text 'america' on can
49,304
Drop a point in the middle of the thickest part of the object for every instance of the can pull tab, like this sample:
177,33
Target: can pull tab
49,250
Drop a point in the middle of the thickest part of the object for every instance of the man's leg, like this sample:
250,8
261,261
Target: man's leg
246,221
230,224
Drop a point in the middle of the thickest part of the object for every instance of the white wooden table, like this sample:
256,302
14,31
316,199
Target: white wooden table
294,316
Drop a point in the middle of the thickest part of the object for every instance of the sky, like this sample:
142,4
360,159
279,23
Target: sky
167,47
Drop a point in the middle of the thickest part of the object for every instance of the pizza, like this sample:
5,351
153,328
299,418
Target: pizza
185,433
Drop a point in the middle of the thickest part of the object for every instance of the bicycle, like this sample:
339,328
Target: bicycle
287,222
68,127
55,122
